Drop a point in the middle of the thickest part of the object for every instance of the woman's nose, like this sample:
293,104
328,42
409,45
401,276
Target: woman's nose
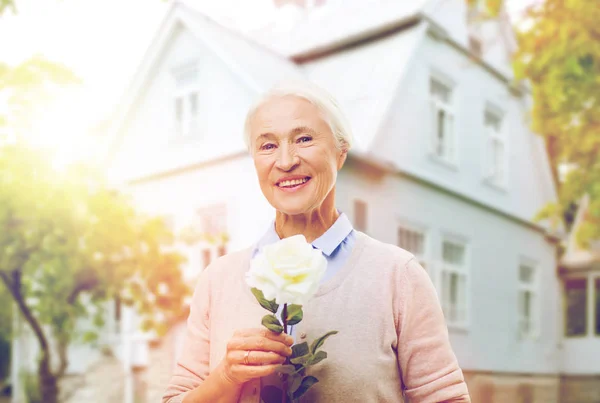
287,159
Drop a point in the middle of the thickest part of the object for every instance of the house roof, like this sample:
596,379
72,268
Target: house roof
301,34
398,25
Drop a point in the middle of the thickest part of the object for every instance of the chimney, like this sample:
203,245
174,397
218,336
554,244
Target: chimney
306,4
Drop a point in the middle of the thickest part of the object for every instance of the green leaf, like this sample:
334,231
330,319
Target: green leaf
295,384
285,369
270,306
272,323
317,358
271,394
89,337
294,314
303,360
319,342
307,382
298,350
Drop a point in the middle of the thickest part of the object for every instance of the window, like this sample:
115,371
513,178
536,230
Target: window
597,305
454,283
186,115
576,307
528,301
497,155
186,101
414,242
443,121
211,225
360,215
207,254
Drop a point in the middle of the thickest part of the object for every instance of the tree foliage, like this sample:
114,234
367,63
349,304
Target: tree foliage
26,88
6,5
559,55
69,243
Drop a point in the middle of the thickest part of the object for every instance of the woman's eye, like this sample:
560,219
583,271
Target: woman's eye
267,146
304,139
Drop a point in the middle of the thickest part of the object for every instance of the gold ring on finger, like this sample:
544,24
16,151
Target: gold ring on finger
246,360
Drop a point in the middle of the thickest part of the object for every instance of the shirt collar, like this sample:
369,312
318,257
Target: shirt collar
334,236
327,243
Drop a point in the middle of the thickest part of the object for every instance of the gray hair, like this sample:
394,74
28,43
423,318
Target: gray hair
321,99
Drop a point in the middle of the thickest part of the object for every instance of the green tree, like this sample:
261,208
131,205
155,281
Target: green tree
7,5
559,55
69,244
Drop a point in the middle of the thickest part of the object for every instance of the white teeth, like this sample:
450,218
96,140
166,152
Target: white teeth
292,182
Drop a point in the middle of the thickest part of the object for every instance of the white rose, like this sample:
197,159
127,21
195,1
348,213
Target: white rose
288,271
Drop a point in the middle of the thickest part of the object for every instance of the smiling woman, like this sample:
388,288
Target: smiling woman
392,339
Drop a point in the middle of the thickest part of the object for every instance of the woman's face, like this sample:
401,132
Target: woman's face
295,154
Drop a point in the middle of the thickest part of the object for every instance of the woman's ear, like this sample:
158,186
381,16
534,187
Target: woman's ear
342,159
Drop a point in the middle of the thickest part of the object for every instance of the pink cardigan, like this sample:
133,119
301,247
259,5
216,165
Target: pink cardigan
392,342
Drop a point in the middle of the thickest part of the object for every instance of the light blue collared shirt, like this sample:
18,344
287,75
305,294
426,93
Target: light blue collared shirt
335,244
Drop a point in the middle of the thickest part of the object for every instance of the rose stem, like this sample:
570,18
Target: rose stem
287,360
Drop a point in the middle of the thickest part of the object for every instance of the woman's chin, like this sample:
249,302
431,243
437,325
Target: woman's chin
292,208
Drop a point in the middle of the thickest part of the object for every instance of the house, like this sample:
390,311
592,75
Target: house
444,164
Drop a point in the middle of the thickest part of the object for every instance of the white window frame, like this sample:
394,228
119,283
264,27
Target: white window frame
493,174
209,240
535,310
464,271
425,257
450,132
184,91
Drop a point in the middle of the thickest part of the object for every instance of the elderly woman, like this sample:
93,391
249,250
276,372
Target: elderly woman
392,342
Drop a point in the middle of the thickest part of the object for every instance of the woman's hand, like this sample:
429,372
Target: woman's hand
254,353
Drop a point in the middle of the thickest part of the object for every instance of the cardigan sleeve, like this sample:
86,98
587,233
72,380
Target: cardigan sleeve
429,368
193,365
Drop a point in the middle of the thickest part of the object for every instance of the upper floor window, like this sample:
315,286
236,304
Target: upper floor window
576,300
186,101
528,300
497,153
443,140
414,242
454,282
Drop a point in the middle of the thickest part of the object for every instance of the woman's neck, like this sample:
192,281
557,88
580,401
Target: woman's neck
312,224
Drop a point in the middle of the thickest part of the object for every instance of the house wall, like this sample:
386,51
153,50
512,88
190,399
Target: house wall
232,182
405,137
496,245
149,143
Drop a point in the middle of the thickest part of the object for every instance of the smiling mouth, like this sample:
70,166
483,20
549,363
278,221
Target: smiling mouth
290,184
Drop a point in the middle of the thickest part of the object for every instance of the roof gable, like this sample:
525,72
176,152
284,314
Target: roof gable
365,91
257,67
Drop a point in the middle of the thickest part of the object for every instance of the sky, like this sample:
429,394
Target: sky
104,41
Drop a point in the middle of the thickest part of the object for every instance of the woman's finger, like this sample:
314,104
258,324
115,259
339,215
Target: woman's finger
248,372
266,333
259,344
257,357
